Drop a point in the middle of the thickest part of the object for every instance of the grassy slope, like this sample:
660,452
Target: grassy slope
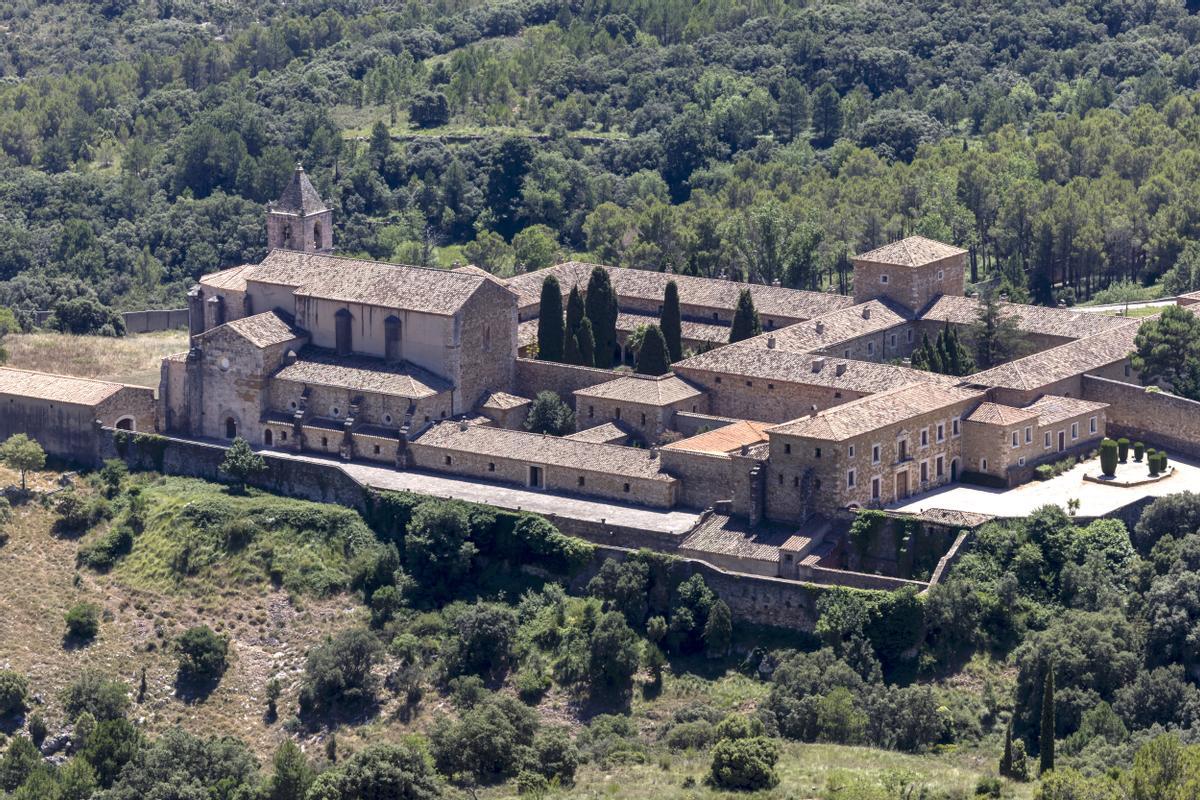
130,359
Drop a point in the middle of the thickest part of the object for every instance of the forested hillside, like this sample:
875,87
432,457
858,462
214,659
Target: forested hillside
139,141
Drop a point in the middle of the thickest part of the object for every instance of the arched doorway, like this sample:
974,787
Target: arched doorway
230,428
268,437
342,332
126,424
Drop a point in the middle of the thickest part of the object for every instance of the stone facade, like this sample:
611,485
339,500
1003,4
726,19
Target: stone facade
913,272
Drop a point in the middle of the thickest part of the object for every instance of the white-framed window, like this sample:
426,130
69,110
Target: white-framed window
954,427
983,465
924,437
1016,439
1092,425
1028,434
941,274
850,479
883,279
1021,461
850,451
875,450
1074,430
874,488
1046,440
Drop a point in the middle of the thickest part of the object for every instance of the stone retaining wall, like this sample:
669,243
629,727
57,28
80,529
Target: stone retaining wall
533,376
1159,419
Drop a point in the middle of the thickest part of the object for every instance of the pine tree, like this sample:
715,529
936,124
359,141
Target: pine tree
601,306
652,357
1046,738
669,322
585,344
996,335
745,319
826,115
1006,760
550,321
291,776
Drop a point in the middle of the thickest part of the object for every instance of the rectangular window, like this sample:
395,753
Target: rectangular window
581,481
717,379
1092,425
796,482
924,471
850,479
448,460
617,413
491,466
787,449
893,340
376,449
1074,430
870,348
874,488
954,426
851,451
817,453
1021,461
941,432
1046,440
1028,434
939,467
1128,370
908,335
591,411
874,454
643,420
924,437
1016,439
883,278
626,488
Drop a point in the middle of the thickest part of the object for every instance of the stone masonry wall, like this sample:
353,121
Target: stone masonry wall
764,400
533,376
1159,419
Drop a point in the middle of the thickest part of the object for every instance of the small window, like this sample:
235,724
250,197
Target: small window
376,449
781,479
1028,434
850,451
591,411
874,488
817,453
626,488
643,420
491,466
617,413
293,405
941,274
939,467
283,436
796,482
427,418
337,412
1021,461
770,387
715,316
924,437
941,432
892,339
870,348
908,335
846,353
1046,440
983,465
1016,439
883,279
324,441
924,471
954,426
787,449
850,479
448,460
1074,430
749,383
581,481
1092,425
387,418
717,379
875,450
1128,370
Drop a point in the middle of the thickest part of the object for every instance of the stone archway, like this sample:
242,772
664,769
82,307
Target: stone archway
230,428
126,424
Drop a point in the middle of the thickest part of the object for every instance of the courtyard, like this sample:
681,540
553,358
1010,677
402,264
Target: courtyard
1095,499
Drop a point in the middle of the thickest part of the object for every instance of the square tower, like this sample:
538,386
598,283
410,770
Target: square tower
299,220
912,272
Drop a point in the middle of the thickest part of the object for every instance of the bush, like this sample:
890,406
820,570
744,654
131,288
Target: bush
84,316
103,553
744,764
94,693
1139,450
338,673
483,643
83,621
696,735
485,741
14,693
532,683
379,770
555,755
202,655
1162,460
1123,449
1108,457
76,515
1152,462
1043,472
37,729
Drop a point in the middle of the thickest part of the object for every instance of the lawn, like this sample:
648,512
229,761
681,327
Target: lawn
129,359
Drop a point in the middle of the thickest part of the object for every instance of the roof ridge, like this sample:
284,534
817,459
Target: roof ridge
305,255
67,377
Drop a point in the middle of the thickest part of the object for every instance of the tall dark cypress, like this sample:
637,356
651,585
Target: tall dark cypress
1046,738
550,321
745,319
585,343
1006,760
574,312
601,307
652,357
669,322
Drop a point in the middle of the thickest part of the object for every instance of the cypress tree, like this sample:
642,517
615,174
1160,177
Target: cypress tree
601,307
574,311
1006,760
745,319
652,358
585,344
672,328
1046,738
550,321
946,352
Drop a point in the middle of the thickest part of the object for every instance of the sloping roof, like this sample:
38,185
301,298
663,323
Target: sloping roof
726,439
998,414
56,388
1052,409
628,322
803,368
830,329
914,251
643,390
719,534
503,401
536,448
1062,322
954,519
262,330
876,411
1062,362
608,433
770,301
299,196
361,373
232,279
352,280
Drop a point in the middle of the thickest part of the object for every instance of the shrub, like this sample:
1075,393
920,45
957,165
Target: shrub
484,742
94,693
379,770
14,693
1152,461
1108,457
695,735
37,729
532,683
76,515
338,672
84,316
1139,450
1044,472
745,764
1123,449
202,655
103,553
555,755
83,621
1162,460
483,643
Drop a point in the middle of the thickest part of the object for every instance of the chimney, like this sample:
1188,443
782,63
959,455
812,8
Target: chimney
820,327
653,453
841,368
818,364
290,358
866,312
463,424
770,342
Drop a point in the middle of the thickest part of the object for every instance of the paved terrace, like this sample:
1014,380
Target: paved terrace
1095,500
513,498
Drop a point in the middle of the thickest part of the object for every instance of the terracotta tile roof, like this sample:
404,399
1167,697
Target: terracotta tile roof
299,196
608,433
56,388
363,374
876,411
914,251
828,330
814,370
1064,361
711,293
1030,319
351,280
997,414
796,544
726,439
503,401
263,330
232,279
536,448
644,390
1052,409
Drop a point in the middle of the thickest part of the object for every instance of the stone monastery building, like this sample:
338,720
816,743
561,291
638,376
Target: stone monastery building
430,369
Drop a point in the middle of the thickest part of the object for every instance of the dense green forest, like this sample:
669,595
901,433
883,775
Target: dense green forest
759,139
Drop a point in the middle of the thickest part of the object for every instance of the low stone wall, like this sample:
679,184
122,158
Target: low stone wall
1159,419
158,319
535,376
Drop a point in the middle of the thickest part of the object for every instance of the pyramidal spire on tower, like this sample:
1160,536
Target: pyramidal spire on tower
299,219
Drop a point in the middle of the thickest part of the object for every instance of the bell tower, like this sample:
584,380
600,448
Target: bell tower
299,220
